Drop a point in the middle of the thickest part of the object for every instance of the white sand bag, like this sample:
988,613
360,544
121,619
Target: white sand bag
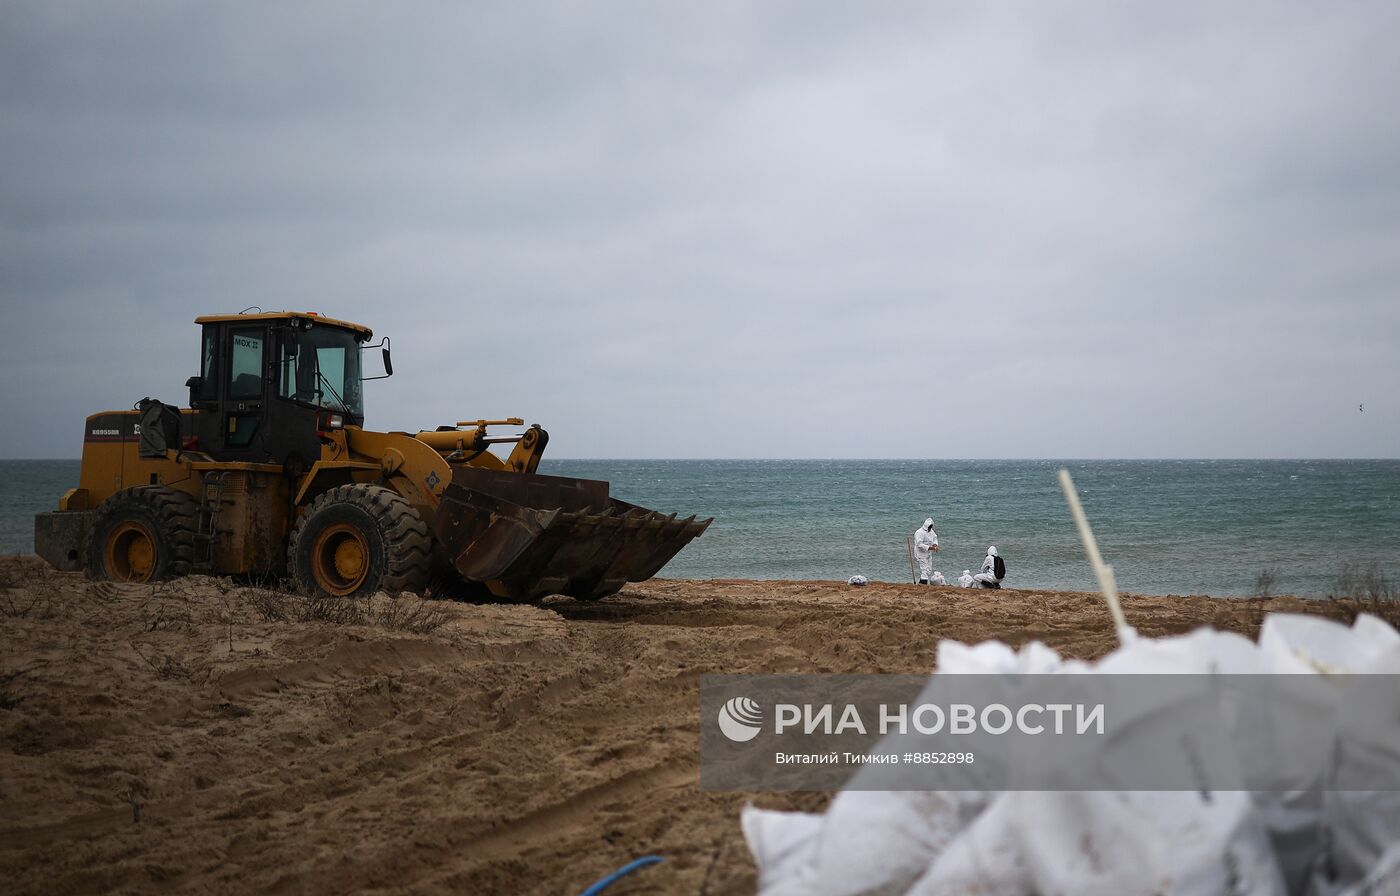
1284,736
1285,739
1201,652
1190,844
878,842
1383,879
1379,640
881,841
1292,642
957,658
1301,804
1101,842
782,844
994,657
1362,824
985,859
1108,844
1096,843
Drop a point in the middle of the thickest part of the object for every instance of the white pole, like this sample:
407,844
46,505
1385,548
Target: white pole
1102,570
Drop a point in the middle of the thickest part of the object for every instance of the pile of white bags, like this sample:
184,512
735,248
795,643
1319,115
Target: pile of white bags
1291,827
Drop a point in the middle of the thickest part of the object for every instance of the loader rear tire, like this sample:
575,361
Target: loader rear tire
358,540
143,534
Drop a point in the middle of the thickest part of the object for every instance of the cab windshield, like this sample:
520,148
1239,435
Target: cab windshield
321,366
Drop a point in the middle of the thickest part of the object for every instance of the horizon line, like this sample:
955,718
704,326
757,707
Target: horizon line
892,459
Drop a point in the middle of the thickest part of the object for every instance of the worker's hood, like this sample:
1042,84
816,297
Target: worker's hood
992,551
928,523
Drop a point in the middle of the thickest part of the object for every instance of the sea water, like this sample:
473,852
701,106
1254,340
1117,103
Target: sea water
1167,527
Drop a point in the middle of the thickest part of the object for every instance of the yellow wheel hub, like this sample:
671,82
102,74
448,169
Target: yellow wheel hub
130,552
340,559
349,558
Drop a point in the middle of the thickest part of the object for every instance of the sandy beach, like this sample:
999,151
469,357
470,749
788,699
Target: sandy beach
203,736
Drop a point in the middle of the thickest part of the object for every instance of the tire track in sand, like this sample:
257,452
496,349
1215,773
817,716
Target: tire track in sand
539,827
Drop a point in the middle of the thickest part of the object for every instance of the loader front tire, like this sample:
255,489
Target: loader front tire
143,534
357,540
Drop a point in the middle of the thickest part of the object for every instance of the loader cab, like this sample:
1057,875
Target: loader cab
271,384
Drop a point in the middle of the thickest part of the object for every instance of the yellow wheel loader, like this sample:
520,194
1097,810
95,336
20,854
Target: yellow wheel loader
270,473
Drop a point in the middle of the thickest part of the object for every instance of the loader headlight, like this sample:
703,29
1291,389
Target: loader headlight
327,422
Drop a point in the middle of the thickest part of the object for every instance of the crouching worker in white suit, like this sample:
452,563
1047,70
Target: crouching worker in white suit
993,570
925,545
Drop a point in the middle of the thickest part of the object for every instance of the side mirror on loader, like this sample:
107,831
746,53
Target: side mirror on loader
196,386
383,346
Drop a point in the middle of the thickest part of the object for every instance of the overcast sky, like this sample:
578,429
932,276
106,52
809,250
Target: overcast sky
726,229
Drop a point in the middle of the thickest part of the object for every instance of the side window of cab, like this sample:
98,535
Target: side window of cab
208,392
245,369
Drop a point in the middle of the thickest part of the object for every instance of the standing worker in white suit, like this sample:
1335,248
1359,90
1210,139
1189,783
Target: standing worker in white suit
925,546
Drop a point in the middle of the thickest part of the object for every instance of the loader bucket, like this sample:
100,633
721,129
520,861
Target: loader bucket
525,535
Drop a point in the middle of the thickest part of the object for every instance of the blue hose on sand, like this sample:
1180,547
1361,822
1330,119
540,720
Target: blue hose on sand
620,873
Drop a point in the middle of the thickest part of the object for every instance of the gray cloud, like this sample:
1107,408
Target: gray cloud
727,229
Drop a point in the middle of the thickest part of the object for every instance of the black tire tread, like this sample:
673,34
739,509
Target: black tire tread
407,541
175,514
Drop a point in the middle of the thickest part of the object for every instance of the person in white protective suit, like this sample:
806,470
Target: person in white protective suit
925,545
988,577
965,580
